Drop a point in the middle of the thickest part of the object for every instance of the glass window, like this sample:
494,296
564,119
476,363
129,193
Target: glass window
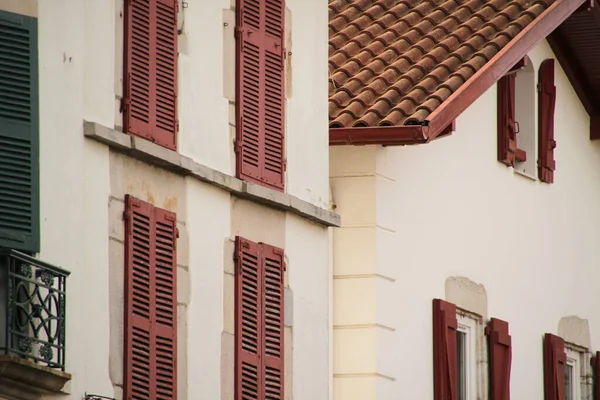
569,384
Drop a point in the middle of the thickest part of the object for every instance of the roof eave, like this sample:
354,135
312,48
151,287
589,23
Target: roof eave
382,135
442,118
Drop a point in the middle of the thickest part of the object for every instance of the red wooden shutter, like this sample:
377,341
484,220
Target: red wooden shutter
273,321
507,138
596,379
150,92
150,302
248,327
445,373
259,321
546,142
260,92
500,359
554,367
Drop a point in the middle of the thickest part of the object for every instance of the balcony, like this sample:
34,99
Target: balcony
32,326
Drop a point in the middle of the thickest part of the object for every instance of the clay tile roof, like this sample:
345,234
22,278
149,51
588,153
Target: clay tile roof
393,62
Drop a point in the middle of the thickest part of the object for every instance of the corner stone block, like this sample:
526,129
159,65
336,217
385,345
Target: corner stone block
183,245
288,363
182,351
227,366
288,304
228,263
116,226
116,310
183,287
229,304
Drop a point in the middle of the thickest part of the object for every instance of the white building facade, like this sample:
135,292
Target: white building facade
446,220
97,184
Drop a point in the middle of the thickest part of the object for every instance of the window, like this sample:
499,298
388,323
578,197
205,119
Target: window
457,336
516,121
150,77
19,133
150,348
259,147
259,354
572,376
465,353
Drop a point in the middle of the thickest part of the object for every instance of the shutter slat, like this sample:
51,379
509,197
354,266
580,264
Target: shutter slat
546,142
19,133
500,347
445,369
554,367
260,95
150,302
151,71
507,141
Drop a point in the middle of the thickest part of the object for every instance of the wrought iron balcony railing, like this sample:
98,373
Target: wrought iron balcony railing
32,309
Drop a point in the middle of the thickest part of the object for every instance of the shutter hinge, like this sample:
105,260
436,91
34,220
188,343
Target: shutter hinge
127,215
237,146
125,103
238,32
177,125
177,233
285,164
486,331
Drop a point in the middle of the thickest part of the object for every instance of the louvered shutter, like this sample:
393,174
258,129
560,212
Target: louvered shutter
248,327
259,321
150,302
546,142
150,94
273,321
500,359
507,139
554,367
19,133
445,368
260,92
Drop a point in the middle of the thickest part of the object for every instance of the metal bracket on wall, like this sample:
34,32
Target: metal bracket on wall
96,397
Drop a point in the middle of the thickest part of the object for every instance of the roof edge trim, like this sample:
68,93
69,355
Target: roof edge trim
382,135
499,65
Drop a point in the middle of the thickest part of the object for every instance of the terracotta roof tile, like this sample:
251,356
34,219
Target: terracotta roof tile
393,62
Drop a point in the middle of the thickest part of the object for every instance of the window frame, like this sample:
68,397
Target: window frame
468,326
574,361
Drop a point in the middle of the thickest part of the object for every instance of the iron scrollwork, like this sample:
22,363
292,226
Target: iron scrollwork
35,326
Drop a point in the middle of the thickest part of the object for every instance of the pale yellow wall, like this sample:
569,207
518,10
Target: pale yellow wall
362,280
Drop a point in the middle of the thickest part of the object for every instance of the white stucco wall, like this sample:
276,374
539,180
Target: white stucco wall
74,193
453,210
80,78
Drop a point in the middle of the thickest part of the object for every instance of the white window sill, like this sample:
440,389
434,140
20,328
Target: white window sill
524,174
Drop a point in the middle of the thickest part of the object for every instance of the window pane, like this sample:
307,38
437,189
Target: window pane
569,382
461,357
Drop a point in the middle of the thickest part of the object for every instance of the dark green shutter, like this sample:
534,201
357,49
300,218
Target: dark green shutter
19,133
